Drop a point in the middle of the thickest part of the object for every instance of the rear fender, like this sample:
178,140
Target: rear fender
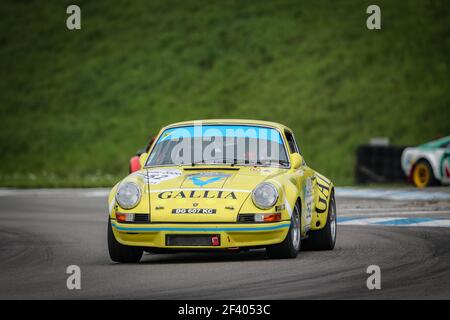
323,189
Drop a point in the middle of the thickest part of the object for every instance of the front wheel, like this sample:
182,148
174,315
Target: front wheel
291,245
121,253
325,238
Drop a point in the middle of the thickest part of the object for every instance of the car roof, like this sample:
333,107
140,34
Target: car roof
435,143
231,121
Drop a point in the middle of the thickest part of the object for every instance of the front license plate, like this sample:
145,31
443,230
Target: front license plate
194,211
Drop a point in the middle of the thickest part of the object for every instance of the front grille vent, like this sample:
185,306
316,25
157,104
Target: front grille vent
141,218
246,218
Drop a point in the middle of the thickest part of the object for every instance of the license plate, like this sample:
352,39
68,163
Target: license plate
193,211
209,240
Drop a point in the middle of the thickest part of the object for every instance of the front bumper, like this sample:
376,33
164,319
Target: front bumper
232,235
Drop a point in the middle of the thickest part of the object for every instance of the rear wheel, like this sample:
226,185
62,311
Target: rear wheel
422,174
121,253
325,238
291,245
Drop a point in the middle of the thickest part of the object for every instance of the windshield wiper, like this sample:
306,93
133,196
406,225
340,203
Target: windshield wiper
270,161
233,163
193,163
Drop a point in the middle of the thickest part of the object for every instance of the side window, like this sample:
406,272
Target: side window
293,146
291,141
446,145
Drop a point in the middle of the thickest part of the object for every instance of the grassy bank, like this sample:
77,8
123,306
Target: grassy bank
76,104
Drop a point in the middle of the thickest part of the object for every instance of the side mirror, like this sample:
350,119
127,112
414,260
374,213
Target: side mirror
142,159
296,161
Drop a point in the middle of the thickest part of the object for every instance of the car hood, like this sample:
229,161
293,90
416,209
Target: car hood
202,193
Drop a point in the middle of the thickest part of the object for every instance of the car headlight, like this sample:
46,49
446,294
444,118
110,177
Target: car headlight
128,195
265,195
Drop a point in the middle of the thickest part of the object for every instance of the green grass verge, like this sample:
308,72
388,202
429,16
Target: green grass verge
76,104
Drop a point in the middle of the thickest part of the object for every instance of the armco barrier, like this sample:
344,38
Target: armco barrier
379,164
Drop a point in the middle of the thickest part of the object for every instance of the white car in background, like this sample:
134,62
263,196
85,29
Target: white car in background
428,164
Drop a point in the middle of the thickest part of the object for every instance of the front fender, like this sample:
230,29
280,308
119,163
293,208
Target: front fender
143,206
288,193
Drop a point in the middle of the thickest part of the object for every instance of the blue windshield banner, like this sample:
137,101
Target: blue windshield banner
226,131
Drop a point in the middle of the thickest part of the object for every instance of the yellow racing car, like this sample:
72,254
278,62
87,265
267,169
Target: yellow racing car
222,185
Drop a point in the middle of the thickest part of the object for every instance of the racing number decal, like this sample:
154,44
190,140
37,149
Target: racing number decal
323,187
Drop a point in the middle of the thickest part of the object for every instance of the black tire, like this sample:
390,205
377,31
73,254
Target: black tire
325,238
120,253
287,249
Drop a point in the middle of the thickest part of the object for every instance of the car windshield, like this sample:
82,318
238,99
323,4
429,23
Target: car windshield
219,144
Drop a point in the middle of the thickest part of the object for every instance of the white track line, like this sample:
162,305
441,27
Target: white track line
389,212
395,222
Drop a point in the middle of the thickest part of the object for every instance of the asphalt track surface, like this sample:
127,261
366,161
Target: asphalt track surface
41,233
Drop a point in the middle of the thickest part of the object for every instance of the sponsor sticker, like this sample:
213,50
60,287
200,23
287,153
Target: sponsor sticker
159,175
323,188
308,199
197,194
